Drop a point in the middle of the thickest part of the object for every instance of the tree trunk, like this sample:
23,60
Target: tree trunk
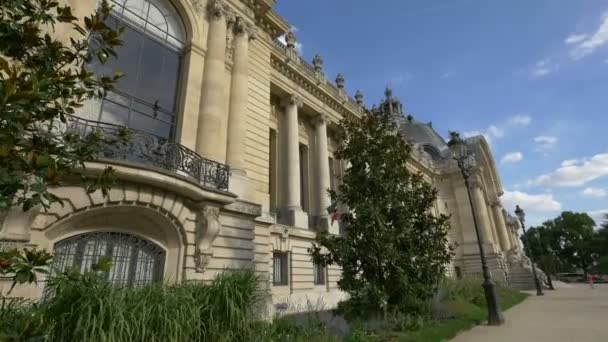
550,281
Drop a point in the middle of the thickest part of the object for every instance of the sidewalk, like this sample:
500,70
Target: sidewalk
572,313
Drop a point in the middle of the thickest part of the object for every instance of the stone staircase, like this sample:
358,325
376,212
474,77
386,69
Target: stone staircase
521,276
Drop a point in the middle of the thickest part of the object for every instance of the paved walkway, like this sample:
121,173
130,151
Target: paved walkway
573,313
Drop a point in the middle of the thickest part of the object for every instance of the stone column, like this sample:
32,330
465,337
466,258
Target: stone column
212,113
501,227
293,208
322,174
237,115
481,211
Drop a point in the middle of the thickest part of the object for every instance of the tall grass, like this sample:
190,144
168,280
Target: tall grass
88,308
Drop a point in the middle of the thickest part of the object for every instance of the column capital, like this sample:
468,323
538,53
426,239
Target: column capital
496,204
216,9
291,100
475,182
321,119
241,27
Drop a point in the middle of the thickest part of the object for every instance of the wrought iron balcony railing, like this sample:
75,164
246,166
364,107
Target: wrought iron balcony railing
147,149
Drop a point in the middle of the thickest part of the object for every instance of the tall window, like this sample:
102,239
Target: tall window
272,172
135,262
319,274
145,98
280,267
332,174
304,196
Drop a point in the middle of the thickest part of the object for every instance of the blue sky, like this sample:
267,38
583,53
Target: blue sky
531,75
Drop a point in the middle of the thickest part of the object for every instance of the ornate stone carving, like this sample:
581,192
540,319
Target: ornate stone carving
242,27
293,99
321,118
198,5
495,204
317,63
475,182
208,227
216,9
229,46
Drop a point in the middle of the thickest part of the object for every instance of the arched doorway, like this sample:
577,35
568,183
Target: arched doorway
136,262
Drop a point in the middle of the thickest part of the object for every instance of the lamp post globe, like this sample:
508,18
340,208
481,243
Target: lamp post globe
460,153
521,216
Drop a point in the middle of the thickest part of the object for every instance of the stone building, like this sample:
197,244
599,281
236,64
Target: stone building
230,156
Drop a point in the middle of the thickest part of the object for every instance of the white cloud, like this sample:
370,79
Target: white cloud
544,67
533,203
570,162
599,216
594,192
446,75
575,38
573,173
519,119
586,44
512,157
496,132
475,133
399,78
545,142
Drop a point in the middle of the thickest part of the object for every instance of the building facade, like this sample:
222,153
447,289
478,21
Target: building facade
230,156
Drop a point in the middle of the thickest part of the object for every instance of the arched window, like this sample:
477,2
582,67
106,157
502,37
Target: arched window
135,262
432,151
145,98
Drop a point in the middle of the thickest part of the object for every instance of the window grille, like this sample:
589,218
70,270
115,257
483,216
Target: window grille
280,268
135,262
319,274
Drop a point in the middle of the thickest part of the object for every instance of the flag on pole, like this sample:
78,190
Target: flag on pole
332,210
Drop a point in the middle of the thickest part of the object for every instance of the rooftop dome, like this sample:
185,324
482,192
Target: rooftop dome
417,132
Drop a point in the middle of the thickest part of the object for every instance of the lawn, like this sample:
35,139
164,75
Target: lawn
467,315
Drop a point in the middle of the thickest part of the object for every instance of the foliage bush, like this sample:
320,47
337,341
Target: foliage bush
85,307
395,249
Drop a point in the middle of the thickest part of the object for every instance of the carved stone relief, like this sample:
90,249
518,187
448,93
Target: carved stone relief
208,227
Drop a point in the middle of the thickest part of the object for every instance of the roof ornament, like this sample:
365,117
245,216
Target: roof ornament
388,92
317,63
359,97
290,40
340,81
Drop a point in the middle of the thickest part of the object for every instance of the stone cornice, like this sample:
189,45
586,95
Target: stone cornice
266,18
296,73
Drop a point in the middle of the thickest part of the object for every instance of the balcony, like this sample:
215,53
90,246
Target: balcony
148,150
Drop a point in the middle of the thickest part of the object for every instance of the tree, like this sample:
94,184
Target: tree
571,238
42,81
542,246
394,251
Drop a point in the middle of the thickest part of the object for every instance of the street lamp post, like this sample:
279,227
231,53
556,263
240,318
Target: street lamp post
462,156
521,215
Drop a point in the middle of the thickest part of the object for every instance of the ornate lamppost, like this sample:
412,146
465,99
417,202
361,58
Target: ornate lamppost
521,216
465,161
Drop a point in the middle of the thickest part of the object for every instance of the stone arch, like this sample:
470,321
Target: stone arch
488,165
190,11
152,214
144,222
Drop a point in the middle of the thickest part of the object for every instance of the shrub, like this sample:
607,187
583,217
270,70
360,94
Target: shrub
88,308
